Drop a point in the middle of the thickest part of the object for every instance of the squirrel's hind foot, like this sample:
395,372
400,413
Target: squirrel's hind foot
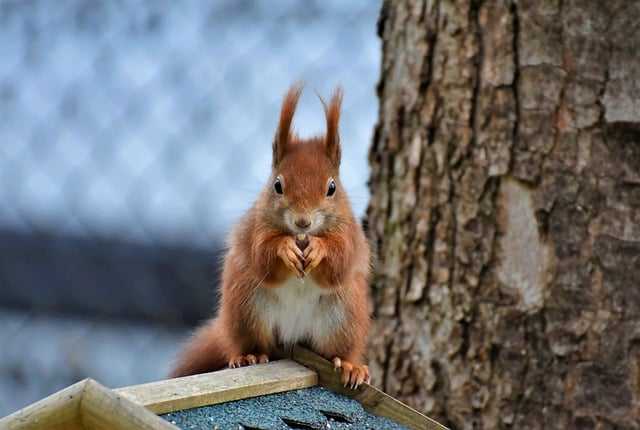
247,360
352,374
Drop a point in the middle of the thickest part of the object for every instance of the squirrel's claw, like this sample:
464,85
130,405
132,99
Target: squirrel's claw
247,360
352,375
314,253
291,256
237,361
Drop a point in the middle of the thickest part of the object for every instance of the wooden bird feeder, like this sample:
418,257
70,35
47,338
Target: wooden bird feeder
89,405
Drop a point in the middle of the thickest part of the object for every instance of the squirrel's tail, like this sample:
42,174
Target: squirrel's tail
204,352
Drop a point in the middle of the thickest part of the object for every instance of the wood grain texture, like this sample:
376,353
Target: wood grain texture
60,411
371,398
103,409
222,386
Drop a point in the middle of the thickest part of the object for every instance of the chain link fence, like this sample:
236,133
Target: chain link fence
132,134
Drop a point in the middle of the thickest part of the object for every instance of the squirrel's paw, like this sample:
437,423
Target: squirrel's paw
247,360
291,256
352,374
314,253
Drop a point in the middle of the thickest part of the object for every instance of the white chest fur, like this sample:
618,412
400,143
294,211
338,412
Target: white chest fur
299,310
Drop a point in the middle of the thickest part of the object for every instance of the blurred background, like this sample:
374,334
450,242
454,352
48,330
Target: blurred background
132,135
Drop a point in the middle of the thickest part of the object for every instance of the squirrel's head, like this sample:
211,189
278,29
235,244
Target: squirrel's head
304,194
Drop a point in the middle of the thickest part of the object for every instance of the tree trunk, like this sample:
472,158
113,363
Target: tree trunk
505,212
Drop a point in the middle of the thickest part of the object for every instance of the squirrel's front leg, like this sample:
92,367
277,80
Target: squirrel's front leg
314,253
329,258
291,255
274,253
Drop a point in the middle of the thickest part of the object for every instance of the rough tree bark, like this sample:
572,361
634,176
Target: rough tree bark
505,212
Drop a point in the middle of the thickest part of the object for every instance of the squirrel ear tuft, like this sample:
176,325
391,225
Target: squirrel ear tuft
332,112
284,131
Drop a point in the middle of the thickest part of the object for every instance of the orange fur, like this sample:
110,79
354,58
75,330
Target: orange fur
263,263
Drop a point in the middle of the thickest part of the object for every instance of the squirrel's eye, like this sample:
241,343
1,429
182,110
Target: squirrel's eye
332,188
277,186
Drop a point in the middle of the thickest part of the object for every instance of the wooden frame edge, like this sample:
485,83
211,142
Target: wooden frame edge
86,404
371,398
104,409
226,385
58,411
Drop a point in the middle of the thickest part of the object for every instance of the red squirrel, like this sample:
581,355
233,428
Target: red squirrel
277,291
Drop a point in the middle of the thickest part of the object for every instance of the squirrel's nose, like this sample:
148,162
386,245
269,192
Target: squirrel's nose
303,222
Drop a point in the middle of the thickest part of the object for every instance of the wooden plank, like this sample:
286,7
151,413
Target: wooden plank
373,400
222,386
103,409
57,412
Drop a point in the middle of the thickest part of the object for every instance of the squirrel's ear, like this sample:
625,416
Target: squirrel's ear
284,132
332,112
